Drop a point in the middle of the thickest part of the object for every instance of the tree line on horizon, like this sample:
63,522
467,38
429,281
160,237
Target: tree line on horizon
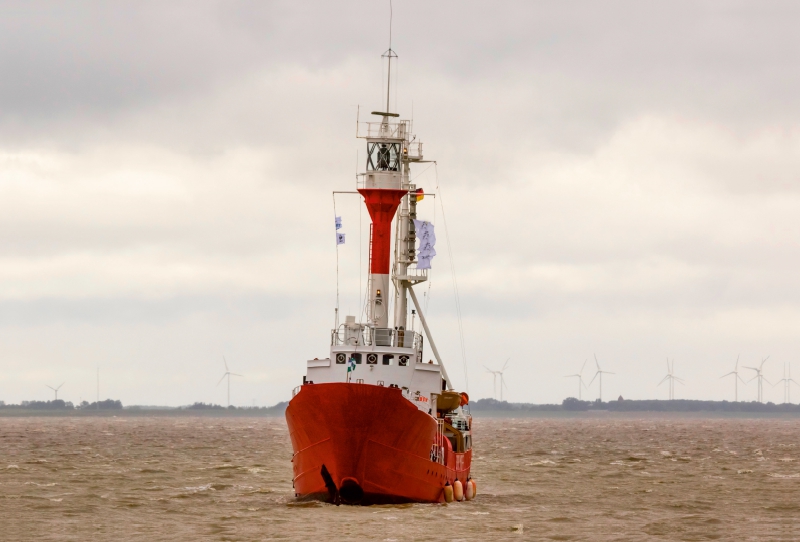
112,404
60,404
626,405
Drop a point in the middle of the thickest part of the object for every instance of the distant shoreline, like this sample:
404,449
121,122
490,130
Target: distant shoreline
138,413
477,414
483,408
633,414
684,408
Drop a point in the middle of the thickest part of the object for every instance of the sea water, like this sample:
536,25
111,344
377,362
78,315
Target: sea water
589,477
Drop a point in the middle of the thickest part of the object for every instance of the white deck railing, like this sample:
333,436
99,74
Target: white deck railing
395,338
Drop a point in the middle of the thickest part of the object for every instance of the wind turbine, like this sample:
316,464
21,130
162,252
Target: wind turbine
495,374
55,390
580,379
787,384
760,378
736,379
672,378
502,380
229,374
600,373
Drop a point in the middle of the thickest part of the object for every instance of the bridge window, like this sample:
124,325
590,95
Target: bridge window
383,156
387,359
356,357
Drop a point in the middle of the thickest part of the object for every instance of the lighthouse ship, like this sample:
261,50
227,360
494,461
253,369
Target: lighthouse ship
374,422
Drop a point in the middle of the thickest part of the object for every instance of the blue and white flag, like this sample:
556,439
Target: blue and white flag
427,242
338,223
339,238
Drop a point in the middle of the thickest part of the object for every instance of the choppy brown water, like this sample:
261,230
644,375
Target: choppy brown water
539,479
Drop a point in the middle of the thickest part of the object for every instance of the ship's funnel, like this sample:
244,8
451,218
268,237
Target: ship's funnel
382,205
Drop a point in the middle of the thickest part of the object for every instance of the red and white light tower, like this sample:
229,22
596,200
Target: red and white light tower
385,186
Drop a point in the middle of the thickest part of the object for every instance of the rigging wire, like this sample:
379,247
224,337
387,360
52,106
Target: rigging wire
359,256
430,272
455,282
420,173
336,322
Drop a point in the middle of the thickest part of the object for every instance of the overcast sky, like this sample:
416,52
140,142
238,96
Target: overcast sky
619,179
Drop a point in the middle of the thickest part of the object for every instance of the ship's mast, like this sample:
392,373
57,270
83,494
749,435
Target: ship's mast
385,185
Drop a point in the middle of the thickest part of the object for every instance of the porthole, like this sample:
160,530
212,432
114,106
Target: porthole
341,358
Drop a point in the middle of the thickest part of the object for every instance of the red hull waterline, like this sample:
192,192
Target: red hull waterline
367,444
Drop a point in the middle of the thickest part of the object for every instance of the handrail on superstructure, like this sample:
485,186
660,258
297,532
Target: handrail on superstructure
395,338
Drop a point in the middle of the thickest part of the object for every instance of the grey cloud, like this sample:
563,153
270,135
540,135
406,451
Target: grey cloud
608,62
132,311
618,176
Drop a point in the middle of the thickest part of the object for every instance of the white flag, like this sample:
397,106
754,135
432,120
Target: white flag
339,238
425,231
427,242
338,223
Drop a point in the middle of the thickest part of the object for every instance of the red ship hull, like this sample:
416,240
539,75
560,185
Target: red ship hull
365,444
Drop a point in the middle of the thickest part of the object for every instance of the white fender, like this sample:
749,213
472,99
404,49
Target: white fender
458,490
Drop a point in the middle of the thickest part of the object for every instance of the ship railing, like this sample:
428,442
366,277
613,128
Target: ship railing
381,336
296,390
415,275
389,130
439,441
414,150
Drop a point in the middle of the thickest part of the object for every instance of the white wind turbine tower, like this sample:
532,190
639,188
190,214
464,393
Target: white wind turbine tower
672,378
494,382
599,373
495,374
502,380
579,376
229,374
760,377
736,379
55,390
787,384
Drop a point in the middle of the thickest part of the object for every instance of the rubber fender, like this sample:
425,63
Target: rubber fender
458,490
448,492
